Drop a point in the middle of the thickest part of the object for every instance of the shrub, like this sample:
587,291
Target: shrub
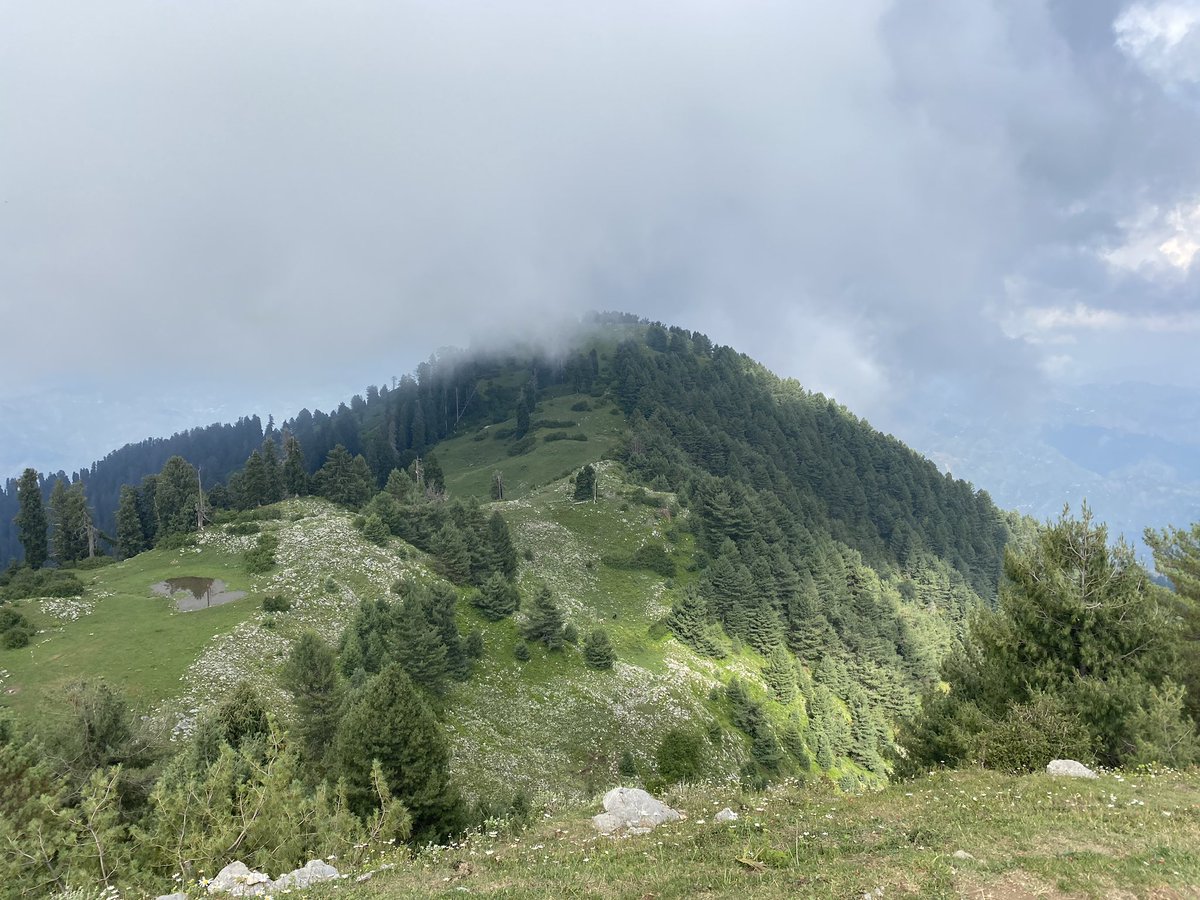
524,445
243,528
521,652
26,582
276,603
261,558
681,755
1030,735
93,562
581,406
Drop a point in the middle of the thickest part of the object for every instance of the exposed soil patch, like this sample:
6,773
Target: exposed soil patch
192,593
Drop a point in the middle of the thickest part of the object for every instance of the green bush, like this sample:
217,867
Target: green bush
261,558
243,528
682,755
524,445
28,582
1032,734
276,603
581,406
93,562
521,652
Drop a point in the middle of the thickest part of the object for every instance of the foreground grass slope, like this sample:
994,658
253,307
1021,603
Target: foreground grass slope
1132,835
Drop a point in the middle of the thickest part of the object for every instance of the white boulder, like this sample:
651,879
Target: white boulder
1070,769
313,872
726,815
633,811
238,880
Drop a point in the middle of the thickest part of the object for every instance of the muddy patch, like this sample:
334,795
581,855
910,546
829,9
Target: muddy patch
191,593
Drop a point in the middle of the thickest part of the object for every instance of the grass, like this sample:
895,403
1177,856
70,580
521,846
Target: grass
1031,836
123,633
469,463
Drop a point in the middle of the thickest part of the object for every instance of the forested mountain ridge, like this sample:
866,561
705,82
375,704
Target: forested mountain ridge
694,407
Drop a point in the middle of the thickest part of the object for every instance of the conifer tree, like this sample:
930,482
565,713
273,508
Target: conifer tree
390,721
780,675
295,472
72,522
345,479
497,598
545,622
400,486
419,648
598,650
435,478
272,472
502,556
311,675
32,525
175,497
585,483
453,555
130,539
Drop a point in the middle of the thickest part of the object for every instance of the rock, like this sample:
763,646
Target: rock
179,895
313,872
726,815
238,880
1069,768
633,811
962,854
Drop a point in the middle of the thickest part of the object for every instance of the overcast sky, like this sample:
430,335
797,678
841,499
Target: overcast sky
209,209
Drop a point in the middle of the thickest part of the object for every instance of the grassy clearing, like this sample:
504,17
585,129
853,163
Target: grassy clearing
469,463
122,632
1033,836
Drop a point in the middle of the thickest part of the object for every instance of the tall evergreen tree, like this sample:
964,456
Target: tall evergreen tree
295,473
272,472
502,556
389,720
32,525
176,497
130,539
72,522
312,677
343,479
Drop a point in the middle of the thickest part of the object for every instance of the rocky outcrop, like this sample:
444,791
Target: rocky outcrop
726,815
238,880
632,811
1070,769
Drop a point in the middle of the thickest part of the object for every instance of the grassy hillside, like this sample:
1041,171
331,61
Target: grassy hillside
1120,836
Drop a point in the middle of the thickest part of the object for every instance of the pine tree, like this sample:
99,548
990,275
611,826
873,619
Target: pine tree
400,486
585,483
502,556
545,622
435,478
688,621
419,647
130,539
344,479
389,720
497,598
453,555
598,650
175,497
780,675
522,419
295,472
31,521
272,472
72,522
311,675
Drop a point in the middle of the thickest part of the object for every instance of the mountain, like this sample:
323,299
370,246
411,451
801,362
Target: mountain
639,556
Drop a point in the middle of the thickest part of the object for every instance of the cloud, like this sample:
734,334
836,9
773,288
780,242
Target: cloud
1162,39
276,201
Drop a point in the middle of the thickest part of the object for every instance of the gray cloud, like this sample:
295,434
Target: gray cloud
882,199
